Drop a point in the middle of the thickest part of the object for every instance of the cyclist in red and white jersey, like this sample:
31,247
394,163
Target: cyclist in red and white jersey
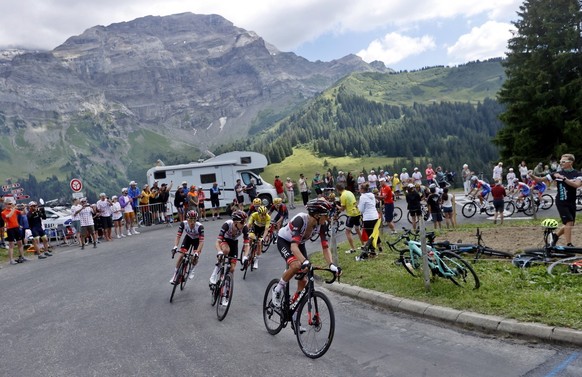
194,238
227,241
291,244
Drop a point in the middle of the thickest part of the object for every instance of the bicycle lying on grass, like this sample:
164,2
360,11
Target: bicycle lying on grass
310,314
460,248
445,264
187,264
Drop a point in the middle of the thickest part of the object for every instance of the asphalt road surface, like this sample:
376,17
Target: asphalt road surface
106,312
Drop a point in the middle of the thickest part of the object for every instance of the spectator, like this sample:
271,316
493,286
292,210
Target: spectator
250,189
417,177
349,204
539,170
10,216
498,192
498,172
341,179
317,183
430,174
396,185
350,182
361,180
466,173
192,199
75,219
303,188
413,200
2,243
201,205
134,193
329,181
440,178
87,224
103,207
35,216
155,204
367,206
523,171
215,200
279,187
404,178
290,192
116,216
163,198
373,180
434,207
126,203
179,200
239,193
448,204
387,197
511,178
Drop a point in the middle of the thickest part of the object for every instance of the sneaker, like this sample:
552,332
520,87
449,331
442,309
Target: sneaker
554,239
256,264
14,262
244,262
276,298
128,233
570,244
41,256
191,275
135,231
350,251
22,259
48,254
172,280
83,247
118,236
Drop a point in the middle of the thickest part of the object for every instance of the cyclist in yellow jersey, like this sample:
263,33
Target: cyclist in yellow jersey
349,204
258,225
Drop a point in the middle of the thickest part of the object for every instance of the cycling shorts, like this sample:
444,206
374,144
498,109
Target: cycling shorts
353,221
284,247
188,243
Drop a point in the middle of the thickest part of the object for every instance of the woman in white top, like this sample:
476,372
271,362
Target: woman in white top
447,206
367,207
303,188
117,215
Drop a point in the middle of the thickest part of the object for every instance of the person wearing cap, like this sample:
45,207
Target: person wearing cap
417,177
341,179
10,216
103,209
303,188
2,243
290,192
35,216
466,173
396,185
373,179
511,179
86,214
404,178
239,190
116,216
387,197
498,172
75,219
413,200
126,203
134,193
279,187
163,197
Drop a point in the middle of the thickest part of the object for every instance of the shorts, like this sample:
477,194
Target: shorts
232,246
37,231
240,199
106,222
87,230
498,204
215,202
189,243
353,221
284,247
437,217
13,235
201,206
116,221
258,231
415,212
388,212
567,212
76,224
447,209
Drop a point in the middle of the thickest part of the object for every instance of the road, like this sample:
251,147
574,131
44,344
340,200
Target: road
106,312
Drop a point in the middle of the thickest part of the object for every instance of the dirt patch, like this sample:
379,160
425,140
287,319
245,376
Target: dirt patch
508,238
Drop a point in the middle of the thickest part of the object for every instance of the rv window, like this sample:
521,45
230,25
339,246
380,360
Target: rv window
246,178
245,160
160,174
207,178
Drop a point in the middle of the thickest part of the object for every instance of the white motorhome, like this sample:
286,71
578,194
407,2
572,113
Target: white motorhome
224,169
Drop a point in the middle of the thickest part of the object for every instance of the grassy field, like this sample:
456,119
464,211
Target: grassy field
306,162
528,294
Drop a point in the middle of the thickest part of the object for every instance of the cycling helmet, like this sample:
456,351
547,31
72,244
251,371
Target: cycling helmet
262,210
550,223
474,178
318,207
192,215
277,201
257,201
239,216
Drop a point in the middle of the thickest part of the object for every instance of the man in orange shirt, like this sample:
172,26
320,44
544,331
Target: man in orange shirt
388,198
10,216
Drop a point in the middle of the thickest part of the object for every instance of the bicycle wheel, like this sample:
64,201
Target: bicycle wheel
267,241
397,215
469,210
225,297
341,222
568,266
185,273
508,209
177,281
578,202
315,325
272,316
458,270
547,201
490,208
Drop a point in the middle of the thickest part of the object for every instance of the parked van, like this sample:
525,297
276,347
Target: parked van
223,169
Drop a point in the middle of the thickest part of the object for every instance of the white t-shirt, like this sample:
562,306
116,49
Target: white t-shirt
367,206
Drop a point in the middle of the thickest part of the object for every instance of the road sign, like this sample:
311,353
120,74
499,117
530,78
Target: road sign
21,197
17,191
76,185
10,186
78,195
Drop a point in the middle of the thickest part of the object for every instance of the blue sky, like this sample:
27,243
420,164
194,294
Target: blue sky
402,34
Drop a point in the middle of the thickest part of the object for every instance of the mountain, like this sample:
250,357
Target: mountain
106,104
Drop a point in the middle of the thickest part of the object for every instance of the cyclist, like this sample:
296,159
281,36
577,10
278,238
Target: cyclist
194,238
256,203
538,188
479,184
282,213
227,241
523,190
291,244
258,227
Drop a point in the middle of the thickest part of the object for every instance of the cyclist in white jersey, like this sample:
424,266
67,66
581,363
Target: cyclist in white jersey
194,238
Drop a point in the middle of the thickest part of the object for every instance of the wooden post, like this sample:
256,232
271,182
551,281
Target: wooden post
425,268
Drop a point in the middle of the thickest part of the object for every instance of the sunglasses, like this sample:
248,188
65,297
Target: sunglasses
564,161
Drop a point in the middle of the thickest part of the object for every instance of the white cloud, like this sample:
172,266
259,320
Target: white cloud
486,41
396,47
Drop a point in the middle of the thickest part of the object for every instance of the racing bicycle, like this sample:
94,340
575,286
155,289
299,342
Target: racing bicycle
249,264
186,267
221,292
310,314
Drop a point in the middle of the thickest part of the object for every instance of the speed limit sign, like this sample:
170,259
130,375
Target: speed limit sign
76,185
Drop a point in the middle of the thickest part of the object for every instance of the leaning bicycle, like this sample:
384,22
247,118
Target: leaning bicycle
221,292
187,264
310,314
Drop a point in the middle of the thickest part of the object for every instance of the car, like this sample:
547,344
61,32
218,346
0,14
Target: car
55,218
